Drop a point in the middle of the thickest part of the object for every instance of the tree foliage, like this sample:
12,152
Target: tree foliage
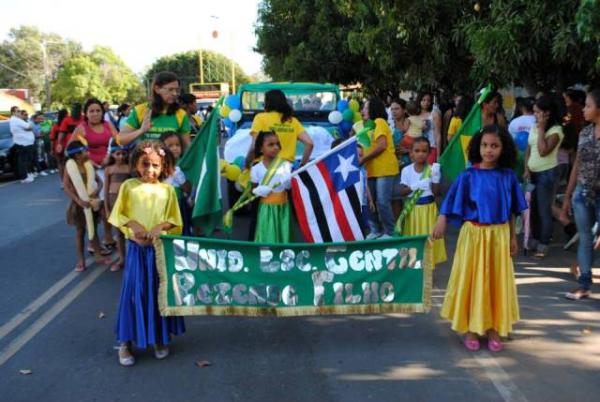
426,44
217,68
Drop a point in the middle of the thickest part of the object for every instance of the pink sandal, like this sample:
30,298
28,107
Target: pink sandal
471,344
494,345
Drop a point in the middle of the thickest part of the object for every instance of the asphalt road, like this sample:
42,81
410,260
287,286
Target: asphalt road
59,325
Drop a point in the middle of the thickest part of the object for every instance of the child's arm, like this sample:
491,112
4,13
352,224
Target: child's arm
107,175
439,228
155,232
514,244
405,190
370,199
436,189
98,184
186,187
70,191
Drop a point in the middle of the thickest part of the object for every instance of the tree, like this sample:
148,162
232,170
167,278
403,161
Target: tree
79,79
428,44
117,79
23,54
217,68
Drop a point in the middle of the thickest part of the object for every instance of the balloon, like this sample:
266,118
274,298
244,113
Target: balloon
233,101
357,117
348,115
335,117
232,172
354,105
243,180
227,122
342,105
224,111
235,115
521,140
222,166
346,126
240,161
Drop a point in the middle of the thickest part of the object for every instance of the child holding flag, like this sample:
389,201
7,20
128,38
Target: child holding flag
421,182
273,221
145,208
481,297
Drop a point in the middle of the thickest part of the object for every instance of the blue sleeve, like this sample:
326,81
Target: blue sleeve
457,201
518,202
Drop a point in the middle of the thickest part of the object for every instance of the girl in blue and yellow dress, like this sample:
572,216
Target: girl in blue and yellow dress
422,180
481,297
145,208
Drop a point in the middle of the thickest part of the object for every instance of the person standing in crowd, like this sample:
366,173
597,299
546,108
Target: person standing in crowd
147,121
541,167
67,127
58,156
481,297
97,132
108,116
145,209
279,117
188,103
382,168
491,110
122,114
399,128
461,110
583,194
23,140
39,154
525,119
433,124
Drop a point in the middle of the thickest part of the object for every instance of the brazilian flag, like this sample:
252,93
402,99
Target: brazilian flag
455,157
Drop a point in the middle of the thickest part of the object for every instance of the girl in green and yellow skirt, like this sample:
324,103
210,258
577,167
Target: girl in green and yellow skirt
421,181
481,297
271,176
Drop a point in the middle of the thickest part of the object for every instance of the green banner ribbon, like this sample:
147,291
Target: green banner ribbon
201,276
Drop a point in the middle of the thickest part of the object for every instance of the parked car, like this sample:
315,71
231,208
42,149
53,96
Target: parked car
312,103
7,155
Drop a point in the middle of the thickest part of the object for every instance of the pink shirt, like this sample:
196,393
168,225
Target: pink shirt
97,142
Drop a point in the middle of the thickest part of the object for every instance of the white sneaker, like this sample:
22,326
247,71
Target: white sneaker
373,236
28,179
385,237
43,173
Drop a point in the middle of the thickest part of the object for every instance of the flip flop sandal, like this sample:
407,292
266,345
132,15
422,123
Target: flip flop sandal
116,267
79,268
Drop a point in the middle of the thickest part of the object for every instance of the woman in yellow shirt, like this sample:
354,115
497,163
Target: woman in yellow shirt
279,117
382,168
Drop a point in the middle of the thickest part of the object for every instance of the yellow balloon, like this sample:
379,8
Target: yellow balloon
244,179
222,166
233,172
357,117
354,105
224,111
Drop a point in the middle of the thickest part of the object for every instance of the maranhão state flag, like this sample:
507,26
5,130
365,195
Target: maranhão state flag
327,196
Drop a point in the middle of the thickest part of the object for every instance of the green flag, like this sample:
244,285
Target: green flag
200,163
455,158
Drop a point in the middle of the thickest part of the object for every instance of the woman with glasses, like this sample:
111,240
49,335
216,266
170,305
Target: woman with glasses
162,113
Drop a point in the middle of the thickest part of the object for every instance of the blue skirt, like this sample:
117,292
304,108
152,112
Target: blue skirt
186,215
138,318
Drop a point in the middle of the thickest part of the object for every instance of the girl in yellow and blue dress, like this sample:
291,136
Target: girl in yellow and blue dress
481,297
145,208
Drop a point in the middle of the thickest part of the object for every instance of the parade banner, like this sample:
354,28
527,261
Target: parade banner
201,276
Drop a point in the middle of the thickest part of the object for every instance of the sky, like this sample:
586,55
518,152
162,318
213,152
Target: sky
141,32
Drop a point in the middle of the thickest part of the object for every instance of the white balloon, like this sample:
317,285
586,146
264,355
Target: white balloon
235,115
335,117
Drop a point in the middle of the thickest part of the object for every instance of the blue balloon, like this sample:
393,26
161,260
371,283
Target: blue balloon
342,105
521,140
240,161
233,101
345,126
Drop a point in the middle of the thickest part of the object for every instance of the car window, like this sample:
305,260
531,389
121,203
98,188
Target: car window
301,102
5,130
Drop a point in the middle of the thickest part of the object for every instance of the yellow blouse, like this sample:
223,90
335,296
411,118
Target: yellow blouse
148,204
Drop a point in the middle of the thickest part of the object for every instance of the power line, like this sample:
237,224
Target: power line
13,70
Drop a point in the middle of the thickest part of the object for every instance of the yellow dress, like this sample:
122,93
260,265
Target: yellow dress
149,204
420,221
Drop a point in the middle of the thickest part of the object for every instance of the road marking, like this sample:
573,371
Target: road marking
507,389
37,303
7,184
49,315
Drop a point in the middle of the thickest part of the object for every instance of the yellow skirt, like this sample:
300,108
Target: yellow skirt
481,292
421,221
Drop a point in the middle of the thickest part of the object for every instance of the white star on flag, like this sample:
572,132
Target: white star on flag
346,166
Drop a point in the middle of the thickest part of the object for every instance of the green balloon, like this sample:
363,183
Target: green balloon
348,115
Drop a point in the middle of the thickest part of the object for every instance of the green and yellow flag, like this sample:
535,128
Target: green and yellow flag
455,159
200,163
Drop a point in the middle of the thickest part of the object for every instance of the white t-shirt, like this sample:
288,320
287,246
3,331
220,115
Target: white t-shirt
409,177
281,175
21,131
177,178
521,123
